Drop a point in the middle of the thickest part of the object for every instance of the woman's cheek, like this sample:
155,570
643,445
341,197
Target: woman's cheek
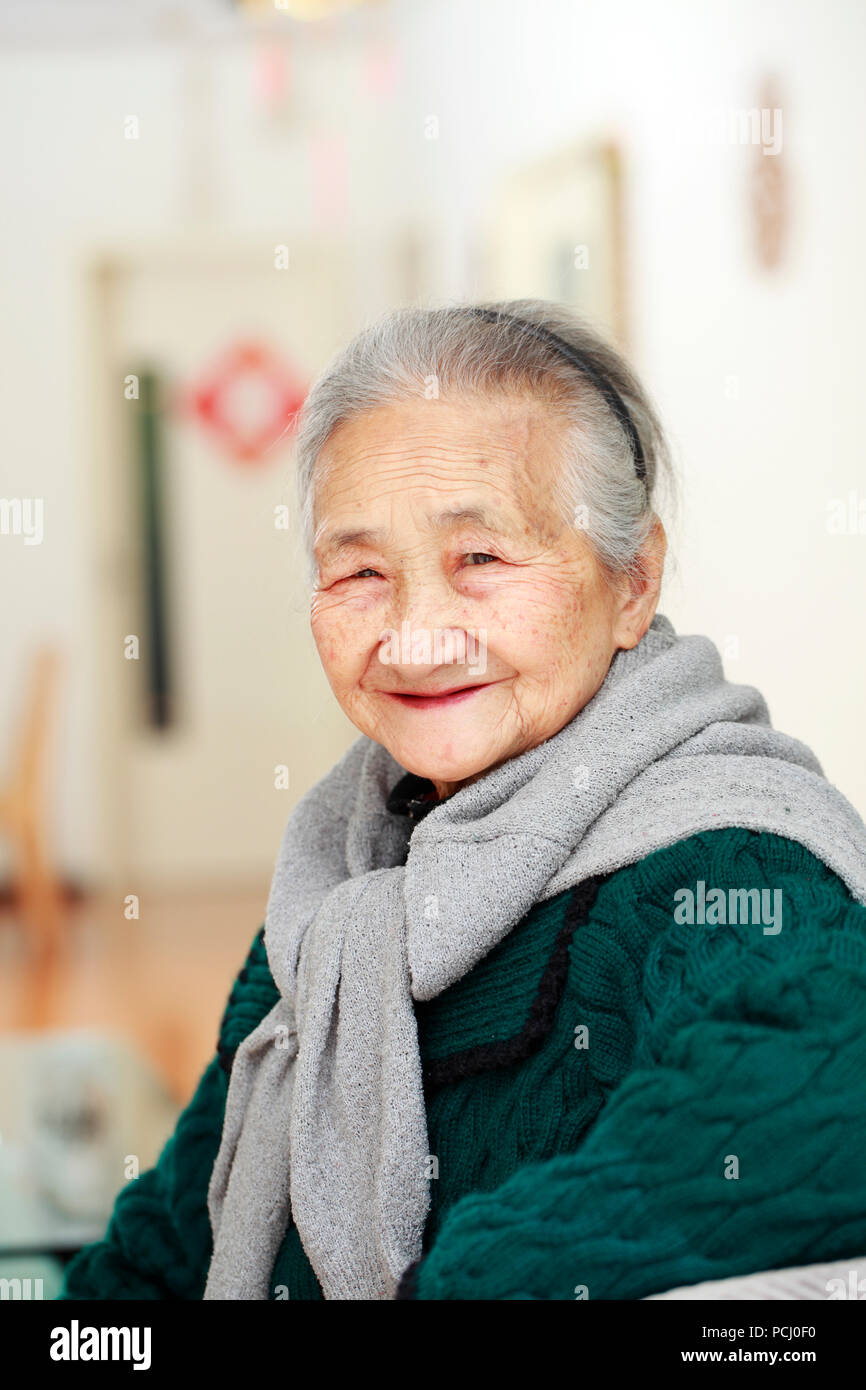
535,615
330,629
344,642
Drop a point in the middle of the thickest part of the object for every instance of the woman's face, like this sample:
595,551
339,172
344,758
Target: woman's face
443,566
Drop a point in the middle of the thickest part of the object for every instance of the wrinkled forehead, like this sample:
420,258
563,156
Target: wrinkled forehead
477,459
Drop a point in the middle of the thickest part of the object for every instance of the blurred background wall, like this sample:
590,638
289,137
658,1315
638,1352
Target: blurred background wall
202,201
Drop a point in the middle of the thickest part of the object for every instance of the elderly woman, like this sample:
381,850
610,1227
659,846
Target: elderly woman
561,990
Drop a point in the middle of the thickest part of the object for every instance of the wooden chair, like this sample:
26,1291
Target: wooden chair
23,812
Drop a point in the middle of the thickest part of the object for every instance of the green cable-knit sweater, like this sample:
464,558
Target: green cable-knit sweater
618,1103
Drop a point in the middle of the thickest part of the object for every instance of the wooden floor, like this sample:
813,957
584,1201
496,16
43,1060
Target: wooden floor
160,982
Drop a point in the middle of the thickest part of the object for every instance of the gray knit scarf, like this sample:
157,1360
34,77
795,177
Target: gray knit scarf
325,1119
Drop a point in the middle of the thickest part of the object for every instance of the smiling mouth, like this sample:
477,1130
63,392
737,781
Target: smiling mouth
441,701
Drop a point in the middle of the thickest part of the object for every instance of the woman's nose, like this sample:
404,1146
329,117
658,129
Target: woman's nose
425,598
424,624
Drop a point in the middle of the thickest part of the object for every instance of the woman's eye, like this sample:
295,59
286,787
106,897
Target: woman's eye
480,555
360,574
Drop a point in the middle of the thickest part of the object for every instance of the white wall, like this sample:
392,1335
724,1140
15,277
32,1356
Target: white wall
508,79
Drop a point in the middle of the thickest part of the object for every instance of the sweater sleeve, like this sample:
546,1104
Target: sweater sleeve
158,1241
731,1145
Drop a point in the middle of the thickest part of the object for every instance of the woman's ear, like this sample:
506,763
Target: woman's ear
640,592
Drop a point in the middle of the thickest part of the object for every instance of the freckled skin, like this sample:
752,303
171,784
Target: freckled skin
552,621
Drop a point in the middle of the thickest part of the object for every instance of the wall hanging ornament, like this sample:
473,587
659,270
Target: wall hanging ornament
248,401
770,193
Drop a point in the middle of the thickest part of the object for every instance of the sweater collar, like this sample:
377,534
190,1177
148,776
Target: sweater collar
489,1009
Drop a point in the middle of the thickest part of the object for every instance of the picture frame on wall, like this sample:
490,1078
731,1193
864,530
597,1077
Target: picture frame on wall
554,230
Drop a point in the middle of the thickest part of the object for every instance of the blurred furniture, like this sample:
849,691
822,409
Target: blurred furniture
23,810
81,1114
840,1279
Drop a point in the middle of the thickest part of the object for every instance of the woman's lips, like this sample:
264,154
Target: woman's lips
444,701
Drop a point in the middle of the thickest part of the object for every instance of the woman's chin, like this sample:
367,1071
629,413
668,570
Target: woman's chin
458,767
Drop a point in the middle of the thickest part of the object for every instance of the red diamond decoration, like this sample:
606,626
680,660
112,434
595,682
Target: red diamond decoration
248,401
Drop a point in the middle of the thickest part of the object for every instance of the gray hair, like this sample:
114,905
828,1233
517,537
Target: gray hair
411,352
